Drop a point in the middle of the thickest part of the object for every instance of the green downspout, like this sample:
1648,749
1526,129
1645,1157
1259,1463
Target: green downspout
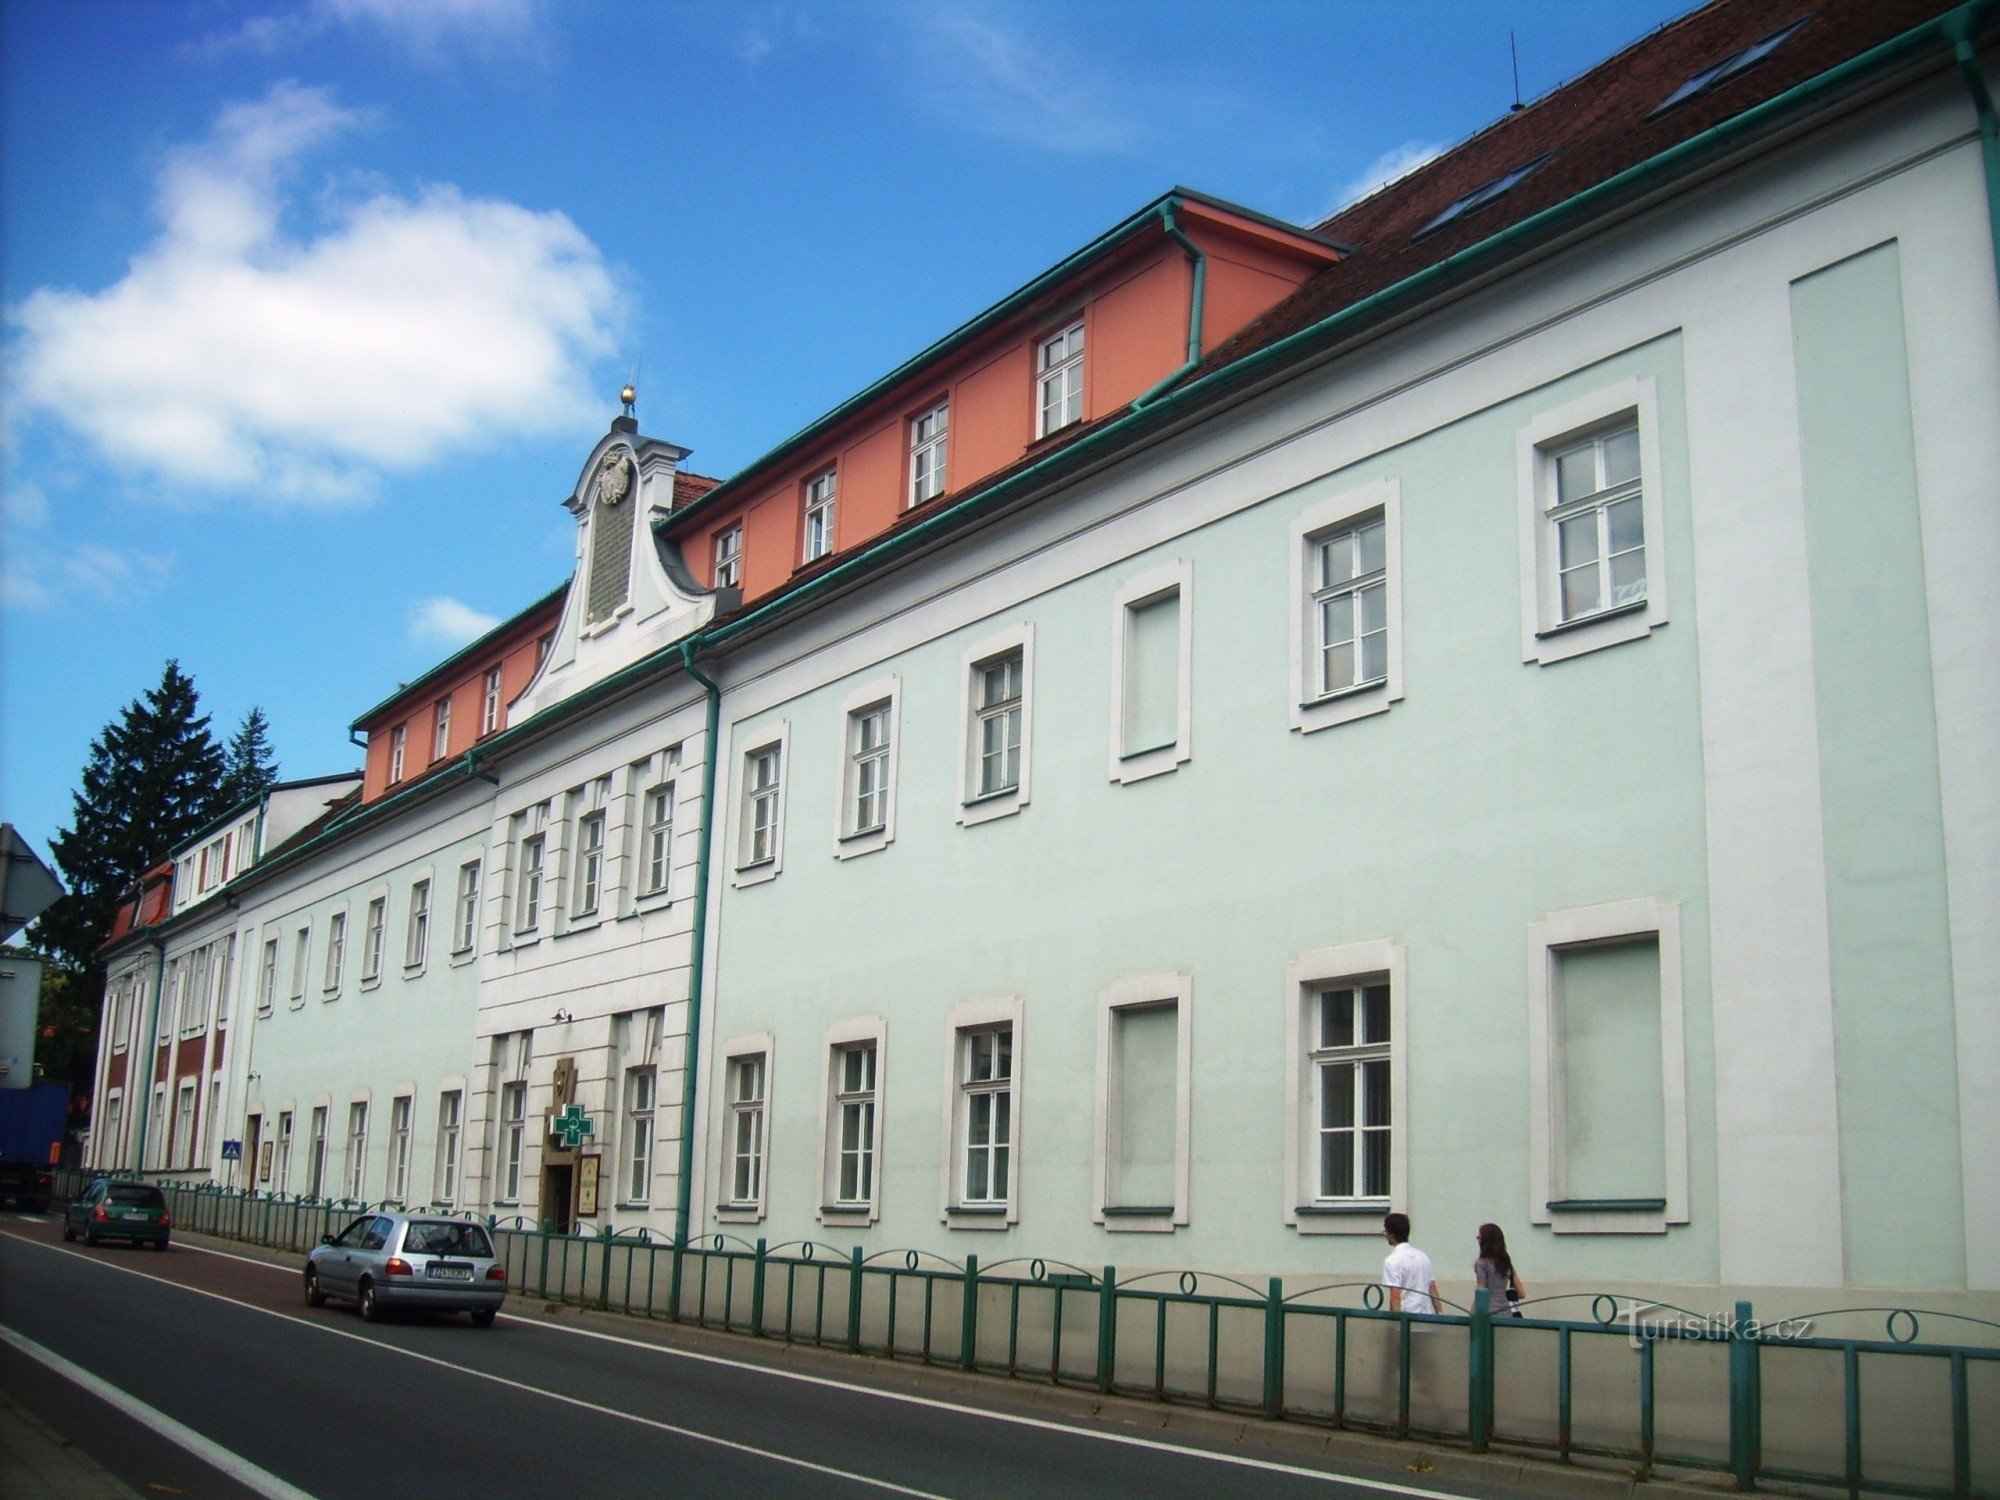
152,1040
1197,297
697,957
1961,28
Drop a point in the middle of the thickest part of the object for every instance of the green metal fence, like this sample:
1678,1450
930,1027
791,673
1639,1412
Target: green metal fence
1642,1385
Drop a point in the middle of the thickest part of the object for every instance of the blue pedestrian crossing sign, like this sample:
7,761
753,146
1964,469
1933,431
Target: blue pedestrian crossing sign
232,1151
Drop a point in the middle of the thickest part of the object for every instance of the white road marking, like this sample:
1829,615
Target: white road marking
1270,1466
210,1452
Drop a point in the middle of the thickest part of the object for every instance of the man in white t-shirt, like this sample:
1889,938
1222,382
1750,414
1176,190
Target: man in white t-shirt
1406,1271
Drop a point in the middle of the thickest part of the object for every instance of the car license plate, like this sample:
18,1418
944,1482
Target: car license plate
450,1273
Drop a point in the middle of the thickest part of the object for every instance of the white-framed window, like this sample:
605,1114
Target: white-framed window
1347,600
301,949
589,864
417,937
729,557
371,939
399,1147
760,830
656,840
316,1153
1152,636
225,963
513,1138
641,1097
528,906
184,1125
336,950
465,920
866,818
489,701
398,739
440,728
982,1116
1346,1088
1607,1070
929,433
1592,523
444,1182
821,491
212,1120
159,1145
357,1150
283,1178
746,1075
107,1148
1144,1086
1059,380
997,707
852,1125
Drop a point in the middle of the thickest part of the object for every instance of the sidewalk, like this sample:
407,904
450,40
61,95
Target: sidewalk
37,1464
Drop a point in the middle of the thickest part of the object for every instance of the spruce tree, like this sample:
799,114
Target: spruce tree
249,767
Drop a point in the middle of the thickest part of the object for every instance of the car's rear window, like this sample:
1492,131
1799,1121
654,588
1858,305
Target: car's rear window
136,1194
446,1239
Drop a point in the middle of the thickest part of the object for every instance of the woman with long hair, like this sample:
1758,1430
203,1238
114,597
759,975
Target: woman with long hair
1494,1270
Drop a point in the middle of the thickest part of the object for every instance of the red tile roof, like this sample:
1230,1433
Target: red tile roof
689,488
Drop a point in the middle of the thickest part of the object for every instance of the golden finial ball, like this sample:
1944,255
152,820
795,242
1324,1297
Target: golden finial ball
628,395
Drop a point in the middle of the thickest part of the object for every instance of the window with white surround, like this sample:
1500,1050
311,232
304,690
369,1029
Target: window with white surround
1151,670
225,964
820,494
929,434
1346,1088
301,948
184,1125
998,717
982,1115
489,702
212,1121
316,1153
589,864
357,1149
399,1147
440,728
1059,380
760,824
283,1180
636,1176
746,1074
852,1126
656,840
371,939
866,818
729,557
444,1182
528,905
336,950
417,938
1607,1070
513,1138
1143,1091
1347,599
465,920
157,1152
397,743
108,1147
1593,532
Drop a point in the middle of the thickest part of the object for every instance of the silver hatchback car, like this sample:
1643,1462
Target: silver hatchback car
398,1260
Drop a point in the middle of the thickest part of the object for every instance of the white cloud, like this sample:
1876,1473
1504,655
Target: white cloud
444,621
984,72
235,355
1396,162
425,27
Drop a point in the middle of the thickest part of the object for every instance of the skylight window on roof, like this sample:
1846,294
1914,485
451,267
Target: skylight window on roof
1729,67
1478,198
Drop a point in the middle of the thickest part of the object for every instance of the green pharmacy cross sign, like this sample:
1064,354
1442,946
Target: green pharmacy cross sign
574,1126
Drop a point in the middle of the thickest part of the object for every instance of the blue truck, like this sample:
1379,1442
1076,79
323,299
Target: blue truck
31,1132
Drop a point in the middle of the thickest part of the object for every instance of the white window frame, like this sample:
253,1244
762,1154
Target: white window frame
1177,579
842,1036
1312,709
287,1123
489,701
967,1017
354,1159
402,1112
532,873
657,806
729,1208
884,694
975,808
448,1164
316,1149
1066,375
1585,926
1545,637
417,930
1138,993
336,952
822,495
440,729
751,867
398,749
591,862
638,1135
729,557
267,984
373,929
301,964
930,451
510,1153
465,909
1307,977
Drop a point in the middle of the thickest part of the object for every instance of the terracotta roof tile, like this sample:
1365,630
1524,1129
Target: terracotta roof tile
689,488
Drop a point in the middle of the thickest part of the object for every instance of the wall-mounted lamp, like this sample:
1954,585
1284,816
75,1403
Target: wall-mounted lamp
563,1018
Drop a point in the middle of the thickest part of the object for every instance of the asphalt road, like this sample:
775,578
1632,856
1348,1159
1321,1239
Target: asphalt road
223,1347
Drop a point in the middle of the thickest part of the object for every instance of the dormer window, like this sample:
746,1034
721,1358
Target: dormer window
440,728
820,491
1059,380
729,557
489,702
611,526
928,435
397,738
1728,68
1478,198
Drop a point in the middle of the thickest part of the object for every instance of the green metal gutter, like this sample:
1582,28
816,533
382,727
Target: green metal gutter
1197,299
484,642
697,958
1962,30
1433,278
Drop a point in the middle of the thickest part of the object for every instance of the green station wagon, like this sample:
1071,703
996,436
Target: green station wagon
111,1210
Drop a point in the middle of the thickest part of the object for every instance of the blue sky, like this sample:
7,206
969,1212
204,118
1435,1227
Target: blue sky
314,309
